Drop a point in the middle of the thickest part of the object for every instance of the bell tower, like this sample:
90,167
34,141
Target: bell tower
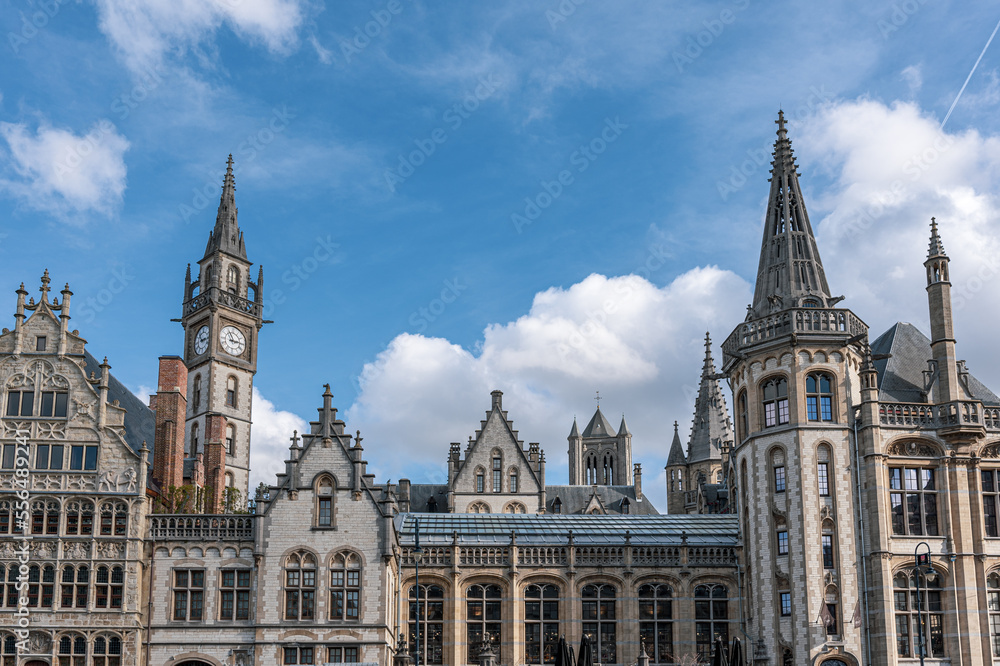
222,315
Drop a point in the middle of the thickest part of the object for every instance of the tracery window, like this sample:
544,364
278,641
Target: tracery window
45,517
107,651
72,650
41,581
656,626
775,402
8,519
514,507
819,397
108,585
913,501
482,619
909,614
479,507
600,621
8,650
114,519
711,614
189,594
427,608
541,624
345,587
300,586
75,586
8,585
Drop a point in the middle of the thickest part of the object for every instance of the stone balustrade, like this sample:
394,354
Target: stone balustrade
787,322
932,417
583,556
189,527
214,294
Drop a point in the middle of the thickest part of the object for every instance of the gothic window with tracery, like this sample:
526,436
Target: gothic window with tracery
107,651
656,622
108,585
910,613
711,614
427,610
75,586
345,587
993,604
991,500
819,397
600,620
300,586
483,604
72,650
114,519
541,624
775,402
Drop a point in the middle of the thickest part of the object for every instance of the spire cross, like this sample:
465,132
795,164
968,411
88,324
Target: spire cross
357,439
295,439
598,399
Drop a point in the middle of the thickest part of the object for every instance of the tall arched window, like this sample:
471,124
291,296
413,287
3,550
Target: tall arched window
45,517
427,610
513,480
107,651
480,480
300,586
656,626
72,650
114,519
195,443
599,621
482,619
823,469
909,614
993,604
75,586
324,502
744,415
230,439
345,587
79,518
819,397
233,279
774,403
196,393
231,391
541,624
108,585
8,650
778,476
41,581
497,472
711,614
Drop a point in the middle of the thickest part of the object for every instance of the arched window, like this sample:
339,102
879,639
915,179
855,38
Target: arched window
909,613
482,619
711,614
8,522
479,507
8,585
107,651
656,622
196,393
514,507
79,518
513,480
609,470
324,502
831,615
195,444
913,501
45,517
786,658
345,587
775,402
827,540
114,519
230,439
599,621
108,585
233,279
744,415
74,589
427,609
541,624
819,397
778,471
993,604
300,586
480,480
72,650
497,473
41,581
8,650
231,391
823,470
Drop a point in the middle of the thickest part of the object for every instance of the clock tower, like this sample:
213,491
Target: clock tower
222,316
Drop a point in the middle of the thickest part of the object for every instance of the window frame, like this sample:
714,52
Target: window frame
299,567
187,594
900,494
775,411
708,602
235,591
599,612
820,397
490,600
991,502
656,621
346,579
541,623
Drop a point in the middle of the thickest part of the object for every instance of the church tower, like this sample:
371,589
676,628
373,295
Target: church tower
222,315
602,454
794,365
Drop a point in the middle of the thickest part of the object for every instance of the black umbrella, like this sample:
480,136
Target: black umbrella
736,653
719,658
564,654
586,652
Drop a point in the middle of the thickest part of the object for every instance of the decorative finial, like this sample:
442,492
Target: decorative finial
675,427
598,399
780,122
45,286
295,439
936,248
357,439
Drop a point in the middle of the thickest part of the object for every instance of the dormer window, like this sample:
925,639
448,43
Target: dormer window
809,303
557,506
626,506
432,505
40,343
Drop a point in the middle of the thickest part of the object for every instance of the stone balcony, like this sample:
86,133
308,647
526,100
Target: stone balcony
794,321
190,527
961,413
222,297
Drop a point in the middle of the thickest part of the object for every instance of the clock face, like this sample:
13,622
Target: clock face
233,340
201,340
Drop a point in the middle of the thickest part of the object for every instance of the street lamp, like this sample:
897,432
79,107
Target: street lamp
417,554
922,561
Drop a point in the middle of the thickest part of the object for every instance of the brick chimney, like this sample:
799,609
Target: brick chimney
171,409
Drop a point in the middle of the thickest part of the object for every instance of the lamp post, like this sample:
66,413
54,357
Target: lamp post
921,560
417,554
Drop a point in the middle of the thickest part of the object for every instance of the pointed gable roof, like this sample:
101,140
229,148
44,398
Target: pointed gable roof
711,425
226,236
790,269
676,455
599,426
901,356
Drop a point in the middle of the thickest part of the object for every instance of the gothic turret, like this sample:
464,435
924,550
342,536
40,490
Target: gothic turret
711,430
790,273
944,365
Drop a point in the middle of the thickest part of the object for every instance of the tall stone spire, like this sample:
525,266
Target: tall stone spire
790,273
711,427
676,456
226,236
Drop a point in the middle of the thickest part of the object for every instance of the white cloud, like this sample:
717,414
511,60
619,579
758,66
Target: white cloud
143,31
914,78
325,55
639,344
57,171
269,440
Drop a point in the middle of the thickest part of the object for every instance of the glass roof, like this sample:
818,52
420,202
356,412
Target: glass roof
548,529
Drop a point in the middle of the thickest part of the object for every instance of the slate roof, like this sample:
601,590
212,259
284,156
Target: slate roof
900,377
421,492
140,422
599,426
576,498
546,529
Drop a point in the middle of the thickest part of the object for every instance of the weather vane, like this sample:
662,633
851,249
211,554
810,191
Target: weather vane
598,399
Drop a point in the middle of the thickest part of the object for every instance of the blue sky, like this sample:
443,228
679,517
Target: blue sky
386,180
